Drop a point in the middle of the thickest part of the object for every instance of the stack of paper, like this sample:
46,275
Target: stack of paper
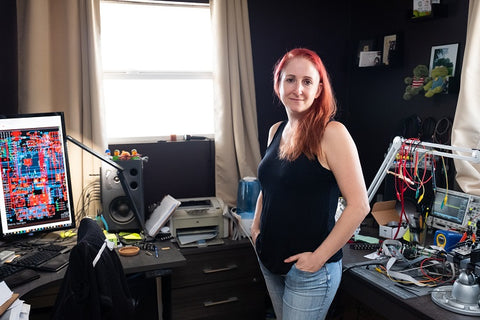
11,308
161,214
196,236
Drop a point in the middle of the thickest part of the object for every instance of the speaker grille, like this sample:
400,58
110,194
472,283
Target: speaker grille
121,210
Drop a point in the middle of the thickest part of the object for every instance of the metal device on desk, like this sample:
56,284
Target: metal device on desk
453,210
464,296
199,222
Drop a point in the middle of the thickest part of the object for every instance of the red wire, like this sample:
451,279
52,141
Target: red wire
406,155
424,273
400,186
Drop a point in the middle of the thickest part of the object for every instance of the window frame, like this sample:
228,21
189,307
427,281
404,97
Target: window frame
157,75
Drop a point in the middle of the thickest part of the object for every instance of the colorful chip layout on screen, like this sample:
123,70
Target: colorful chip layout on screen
35,192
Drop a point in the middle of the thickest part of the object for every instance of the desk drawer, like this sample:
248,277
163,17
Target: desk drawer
217,266
236,299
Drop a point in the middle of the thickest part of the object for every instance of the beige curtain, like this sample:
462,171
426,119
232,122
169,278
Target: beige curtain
466,124
60,70
237,151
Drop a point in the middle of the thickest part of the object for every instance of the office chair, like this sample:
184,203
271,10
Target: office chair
94,286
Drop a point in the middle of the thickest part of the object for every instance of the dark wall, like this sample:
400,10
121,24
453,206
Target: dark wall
281,25
8,57
376,104
370,99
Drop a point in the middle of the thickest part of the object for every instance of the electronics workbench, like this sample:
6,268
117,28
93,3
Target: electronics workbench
365,286
428,265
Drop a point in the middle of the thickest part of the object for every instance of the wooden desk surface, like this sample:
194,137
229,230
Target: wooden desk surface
384,302
167,258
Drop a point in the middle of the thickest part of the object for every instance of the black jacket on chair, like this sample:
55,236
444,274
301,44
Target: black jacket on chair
89,292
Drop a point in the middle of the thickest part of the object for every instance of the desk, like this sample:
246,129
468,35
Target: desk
49,282
219,282
382,301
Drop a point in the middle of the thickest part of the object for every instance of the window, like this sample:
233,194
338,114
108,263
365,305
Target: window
157,62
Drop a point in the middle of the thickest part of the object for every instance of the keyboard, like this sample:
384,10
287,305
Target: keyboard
54,247
16,275
45,260
7,270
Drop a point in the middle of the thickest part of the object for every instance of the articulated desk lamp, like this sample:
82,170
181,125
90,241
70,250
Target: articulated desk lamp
464,296
121,176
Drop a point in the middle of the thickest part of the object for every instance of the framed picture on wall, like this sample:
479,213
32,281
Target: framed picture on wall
422,8
390,48
364,46
444,55
370,58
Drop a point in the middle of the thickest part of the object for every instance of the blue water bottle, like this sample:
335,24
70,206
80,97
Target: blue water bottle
248,190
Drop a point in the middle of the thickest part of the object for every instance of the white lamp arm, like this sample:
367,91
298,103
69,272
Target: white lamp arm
472,155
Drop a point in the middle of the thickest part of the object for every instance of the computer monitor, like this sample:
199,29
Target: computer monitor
35,191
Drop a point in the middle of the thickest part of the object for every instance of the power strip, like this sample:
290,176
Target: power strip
364,246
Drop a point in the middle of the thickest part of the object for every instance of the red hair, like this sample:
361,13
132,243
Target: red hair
309,132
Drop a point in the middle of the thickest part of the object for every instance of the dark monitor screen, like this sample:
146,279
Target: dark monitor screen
35,192
454,209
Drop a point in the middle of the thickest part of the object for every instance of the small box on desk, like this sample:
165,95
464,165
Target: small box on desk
386,214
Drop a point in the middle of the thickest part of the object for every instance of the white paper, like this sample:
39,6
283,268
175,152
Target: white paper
370,58
374,255
161,214
5,292
189,238
25,312
18,310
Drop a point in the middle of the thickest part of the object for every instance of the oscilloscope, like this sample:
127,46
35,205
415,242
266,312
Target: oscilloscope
452,210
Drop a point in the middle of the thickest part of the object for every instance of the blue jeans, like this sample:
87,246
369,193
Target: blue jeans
303,295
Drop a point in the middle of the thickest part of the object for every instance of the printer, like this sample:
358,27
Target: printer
199,222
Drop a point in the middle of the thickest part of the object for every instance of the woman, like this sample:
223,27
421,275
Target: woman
310,160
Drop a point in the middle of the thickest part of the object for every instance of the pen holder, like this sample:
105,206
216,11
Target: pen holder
416,232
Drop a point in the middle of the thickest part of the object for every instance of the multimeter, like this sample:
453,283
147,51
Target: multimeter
447,239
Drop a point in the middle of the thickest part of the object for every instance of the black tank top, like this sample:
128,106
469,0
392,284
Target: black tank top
299,203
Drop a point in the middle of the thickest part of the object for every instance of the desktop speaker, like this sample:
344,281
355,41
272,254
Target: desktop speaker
118,210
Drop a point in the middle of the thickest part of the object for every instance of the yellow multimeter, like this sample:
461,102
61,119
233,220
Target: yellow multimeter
447,239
